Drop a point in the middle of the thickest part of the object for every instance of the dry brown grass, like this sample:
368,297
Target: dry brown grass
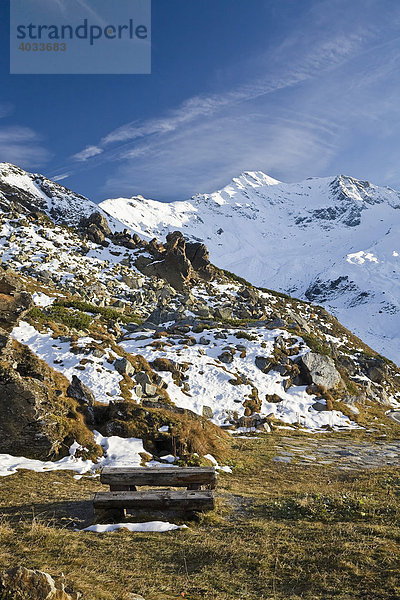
280,532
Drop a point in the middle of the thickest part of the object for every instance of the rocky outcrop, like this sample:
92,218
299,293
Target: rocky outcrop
126,239
177,262
14,301
318,369
19,583
124,367
37,419
199,258
96,228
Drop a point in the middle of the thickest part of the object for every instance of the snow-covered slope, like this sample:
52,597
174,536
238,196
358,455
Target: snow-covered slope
334,241
35,192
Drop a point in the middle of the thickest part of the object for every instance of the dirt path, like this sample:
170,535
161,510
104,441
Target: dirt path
345,454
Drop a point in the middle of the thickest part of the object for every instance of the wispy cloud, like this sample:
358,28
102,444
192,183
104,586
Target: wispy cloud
87,153
6,109
290,115
61,176
325,56
22,146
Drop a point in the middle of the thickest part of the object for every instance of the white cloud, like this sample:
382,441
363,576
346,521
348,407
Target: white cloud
326,55
61,177
22,146
87,153
206,156
294,112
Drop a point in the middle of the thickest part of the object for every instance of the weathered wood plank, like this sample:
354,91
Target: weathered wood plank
185,500
169,476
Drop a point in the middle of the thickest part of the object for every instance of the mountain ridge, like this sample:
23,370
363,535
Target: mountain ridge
331,240
124,336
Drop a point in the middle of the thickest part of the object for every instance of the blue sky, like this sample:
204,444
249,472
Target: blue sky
294,88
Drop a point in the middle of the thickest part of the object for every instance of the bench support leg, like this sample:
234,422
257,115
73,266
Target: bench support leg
109,515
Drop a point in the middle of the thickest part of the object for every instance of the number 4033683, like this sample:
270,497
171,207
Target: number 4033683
42,47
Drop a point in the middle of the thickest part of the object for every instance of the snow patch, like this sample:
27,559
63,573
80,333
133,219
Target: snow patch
147,527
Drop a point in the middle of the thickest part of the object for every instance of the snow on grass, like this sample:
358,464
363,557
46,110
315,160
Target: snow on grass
148,527
216,385
117,452
11,464
218,467
41,299
98,374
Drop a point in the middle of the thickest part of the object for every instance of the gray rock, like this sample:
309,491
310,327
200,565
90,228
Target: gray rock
124,367
276,323
135,283
20,582
143,378
100,222
318,369
80,391
319,406
150,389
226,357
224,312
138,390
159,315
262,363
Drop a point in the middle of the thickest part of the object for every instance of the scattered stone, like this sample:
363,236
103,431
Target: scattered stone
14,301
226,357
124,367
224,313
262,363
319,406
274,398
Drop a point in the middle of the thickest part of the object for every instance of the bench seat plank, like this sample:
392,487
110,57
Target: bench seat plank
185,500
159,476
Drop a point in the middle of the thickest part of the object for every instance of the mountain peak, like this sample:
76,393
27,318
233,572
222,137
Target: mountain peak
255,179
333,240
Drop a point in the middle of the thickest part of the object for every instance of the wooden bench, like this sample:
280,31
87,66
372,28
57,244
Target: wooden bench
123,494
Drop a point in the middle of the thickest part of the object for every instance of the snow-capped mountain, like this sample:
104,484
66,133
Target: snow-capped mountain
146,339
334,241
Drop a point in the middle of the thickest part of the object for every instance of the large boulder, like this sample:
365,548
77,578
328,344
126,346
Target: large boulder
178,269
318,369
19,583
177,262
100,221
96,228
124,367
375,368
170,263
